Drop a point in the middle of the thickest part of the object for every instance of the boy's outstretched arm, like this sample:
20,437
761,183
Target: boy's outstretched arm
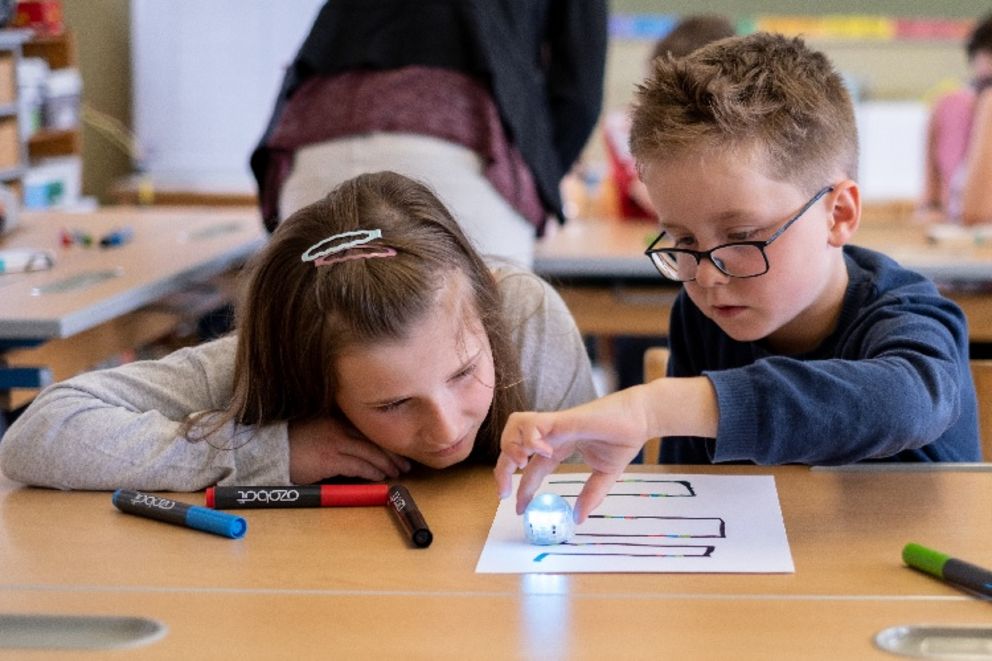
607,432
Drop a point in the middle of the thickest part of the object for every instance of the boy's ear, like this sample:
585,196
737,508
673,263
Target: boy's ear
845,215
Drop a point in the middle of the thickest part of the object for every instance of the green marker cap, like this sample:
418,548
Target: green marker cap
924,559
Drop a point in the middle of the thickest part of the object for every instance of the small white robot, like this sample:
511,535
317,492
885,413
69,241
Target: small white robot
548,520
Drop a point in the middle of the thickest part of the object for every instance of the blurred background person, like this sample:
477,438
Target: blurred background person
958,183
488,101
690,33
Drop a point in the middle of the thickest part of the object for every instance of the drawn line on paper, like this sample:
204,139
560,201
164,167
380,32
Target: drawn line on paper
667,526
687,552
649,536
622,480
653,546
636,495
602,527
684,488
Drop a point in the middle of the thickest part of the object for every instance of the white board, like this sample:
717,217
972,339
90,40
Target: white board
206,75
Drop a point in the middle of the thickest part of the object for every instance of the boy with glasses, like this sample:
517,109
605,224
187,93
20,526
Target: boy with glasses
787,344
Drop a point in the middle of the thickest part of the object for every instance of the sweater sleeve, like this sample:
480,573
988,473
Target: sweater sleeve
895,383
555,364
123,428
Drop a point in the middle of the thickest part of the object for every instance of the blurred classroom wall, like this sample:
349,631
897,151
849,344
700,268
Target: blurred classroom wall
896,72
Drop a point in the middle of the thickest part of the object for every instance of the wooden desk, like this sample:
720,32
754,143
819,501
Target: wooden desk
611,288
326,583
70,306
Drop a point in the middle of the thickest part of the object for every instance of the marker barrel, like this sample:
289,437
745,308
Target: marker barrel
409,516
318,495
961,573
181,514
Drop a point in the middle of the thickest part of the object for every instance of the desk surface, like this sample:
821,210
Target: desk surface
170,249
310,583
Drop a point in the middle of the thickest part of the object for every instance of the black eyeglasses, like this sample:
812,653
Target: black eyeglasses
740,259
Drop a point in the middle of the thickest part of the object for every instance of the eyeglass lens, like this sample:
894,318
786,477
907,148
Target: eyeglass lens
739,261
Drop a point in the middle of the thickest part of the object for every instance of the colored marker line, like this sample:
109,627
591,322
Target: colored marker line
181,514
665,535
638,544
623,480
706,552
316,495
637,495
959,573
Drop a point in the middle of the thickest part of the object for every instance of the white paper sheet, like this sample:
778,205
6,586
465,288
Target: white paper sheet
653,522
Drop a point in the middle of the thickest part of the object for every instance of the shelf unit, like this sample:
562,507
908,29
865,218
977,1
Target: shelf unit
15,156
13,152
59,51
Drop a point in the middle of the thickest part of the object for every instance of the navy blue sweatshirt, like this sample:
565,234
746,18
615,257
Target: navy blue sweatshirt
891,383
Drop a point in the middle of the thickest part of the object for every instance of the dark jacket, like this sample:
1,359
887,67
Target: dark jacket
542,59
891,383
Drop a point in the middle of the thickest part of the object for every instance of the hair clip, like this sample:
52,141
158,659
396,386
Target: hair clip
328,251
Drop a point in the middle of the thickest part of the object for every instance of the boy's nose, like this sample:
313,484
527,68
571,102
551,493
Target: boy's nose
708,275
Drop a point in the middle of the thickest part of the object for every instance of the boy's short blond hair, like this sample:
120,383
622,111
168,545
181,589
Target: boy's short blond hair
763,92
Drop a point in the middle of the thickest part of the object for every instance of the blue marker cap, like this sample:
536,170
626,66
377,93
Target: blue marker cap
219,523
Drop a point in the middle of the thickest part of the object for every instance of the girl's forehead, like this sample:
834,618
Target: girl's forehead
451,318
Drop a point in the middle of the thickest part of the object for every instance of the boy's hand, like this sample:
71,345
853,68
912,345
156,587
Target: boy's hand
327,447
608,433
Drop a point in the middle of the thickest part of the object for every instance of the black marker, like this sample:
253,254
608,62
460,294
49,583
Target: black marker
172,511
409,516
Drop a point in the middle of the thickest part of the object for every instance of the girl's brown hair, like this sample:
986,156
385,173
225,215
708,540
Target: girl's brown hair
295,318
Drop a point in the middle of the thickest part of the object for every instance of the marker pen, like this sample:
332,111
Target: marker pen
84,239
117,237
172,511
317,495
957,572
409,516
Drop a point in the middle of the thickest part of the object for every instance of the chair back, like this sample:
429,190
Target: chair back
981,372
655,367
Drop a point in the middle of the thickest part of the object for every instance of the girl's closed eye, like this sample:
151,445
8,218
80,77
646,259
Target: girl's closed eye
391,406
468,370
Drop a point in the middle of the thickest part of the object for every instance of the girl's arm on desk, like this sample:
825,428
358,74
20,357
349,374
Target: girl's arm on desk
123,428
127,428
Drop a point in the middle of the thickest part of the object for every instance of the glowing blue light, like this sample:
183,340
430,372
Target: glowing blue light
548,520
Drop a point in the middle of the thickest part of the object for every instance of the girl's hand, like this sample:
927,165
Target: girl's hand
326,447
